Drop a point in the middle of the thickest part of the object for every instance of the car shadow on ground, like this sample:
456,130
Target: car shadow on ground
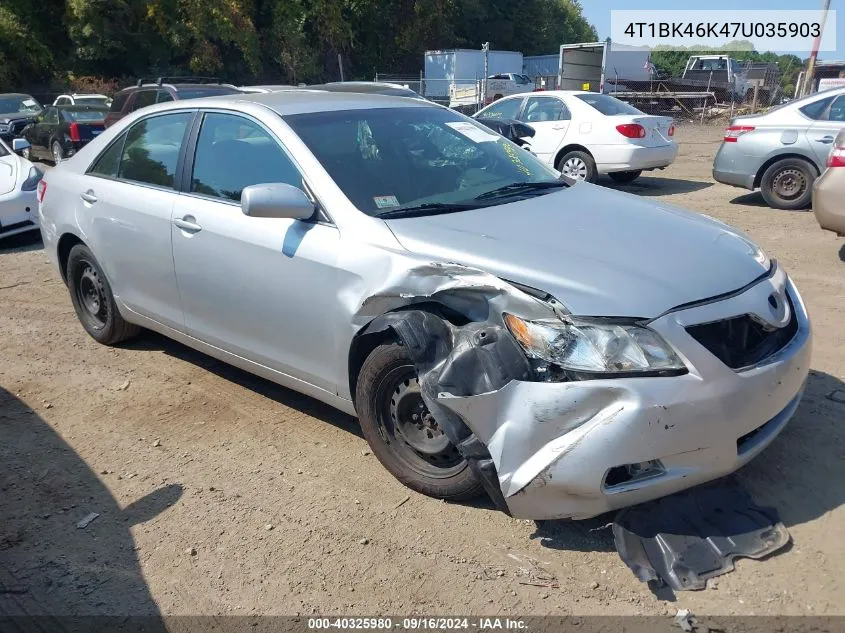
800,475
152,341
654,186
22,243
49,565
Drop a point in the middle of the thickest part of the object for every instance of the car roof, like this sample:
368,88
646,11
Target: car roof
81,107
77,95
303,100
15,94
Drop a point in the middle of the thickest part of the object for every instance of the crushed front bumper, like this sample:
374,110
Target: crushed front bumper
558,447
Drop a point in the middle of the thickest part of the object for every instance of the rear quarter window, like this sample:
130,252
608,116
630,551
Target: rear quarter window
816,109
119,102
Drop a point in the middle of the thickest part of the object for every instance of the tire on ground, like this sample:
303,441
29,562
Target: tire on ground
114,329
462,485
589,163
796,169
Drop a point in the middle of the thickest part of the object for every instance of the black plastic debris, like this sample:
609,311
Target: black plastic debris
686,538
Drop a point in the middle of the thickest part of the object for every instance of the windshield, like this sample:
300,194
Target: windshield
92,100
607,105
22,103
86,115
387,159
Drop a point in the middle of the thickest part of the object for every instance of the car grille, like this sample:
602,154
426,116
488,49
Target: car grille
743,341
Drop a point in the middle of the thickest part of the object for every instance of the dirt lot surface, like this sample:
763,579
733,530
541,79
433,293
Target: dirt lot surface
221,493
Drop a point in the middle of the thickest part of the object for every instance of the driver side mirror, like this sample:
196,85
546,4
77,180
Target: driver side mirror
276,200
19,145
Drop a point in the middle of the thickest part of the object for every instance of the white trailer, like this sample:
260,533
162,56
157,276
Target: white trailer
463,68
592,65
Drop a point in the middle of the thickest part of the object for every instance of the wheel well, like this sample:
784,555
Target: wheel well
66,242
365,342
774,159
571,148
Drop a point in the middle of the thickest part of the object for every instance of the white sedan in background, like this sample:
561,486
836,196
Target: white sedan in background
18,183
584,134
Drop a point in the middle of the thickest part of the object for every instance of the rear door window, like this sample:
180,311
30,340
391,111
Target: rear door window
119,102
539,109
144,98
151,151
837,110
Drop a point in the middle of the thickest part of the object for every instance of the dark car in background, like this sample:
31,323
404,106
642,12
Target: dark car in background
61,131
164,89
17,110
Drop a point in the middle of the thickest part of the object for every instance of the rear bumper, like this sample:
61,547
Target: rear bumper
828,194
731,167
610,158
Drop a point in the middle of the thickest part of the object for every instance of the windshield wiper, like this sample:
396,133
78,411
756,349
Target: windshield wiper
521,187
429,208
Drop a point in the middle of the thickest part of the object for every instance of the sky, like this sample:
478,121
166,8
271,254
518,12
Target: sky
598,13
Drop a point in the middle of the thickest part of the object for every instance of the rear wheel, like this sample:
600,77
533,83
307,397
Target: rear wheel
623,177
93,301
403,434
58,152
788,184
577,165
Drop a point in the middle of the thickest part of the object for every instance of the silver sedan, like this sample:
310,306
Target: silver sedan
782,151
566,348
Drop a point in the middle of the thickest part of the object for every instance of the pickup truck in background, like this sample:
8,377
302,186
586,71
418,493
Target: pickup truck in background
725,76
498,86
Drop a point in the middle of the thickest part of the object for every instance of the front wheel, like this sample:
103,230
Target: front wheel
93,300
623,177
577,165
403,434
788,184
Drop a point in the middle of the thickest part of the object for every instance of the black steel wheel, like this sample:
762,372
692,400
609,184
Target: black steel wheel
92,299
788,184
403,434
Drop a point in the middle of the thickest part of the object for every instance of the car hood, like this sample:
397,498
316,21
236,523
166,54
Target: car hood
598,251
16,116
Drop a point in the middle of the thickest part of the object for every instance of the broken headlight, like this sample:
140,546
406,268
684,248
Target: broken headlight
604,348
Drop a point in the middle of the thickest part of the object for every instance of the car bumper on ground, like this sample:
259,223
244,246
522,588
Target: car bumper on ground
18,212
828,196
610,158
578,449
732,167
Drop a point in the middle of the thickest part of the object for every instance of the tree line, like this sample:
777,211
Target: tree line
272,41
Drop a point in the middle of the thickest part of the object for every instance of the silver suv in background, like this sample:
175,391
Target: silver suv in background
782,151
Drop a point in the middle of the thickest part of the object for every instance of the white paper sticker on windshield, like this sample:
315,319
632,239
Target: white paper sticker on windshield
29,103
473,132
385,202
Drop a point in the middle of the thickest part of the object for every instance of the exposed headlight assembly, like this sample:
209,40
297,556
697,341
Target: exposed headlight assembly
5,128
596,348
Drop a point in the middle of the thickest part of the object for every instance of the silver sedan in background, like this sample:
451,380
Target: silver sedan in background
782,151
566,348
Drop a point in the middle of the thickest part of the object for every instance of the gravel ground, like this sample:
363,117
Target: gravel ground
221,493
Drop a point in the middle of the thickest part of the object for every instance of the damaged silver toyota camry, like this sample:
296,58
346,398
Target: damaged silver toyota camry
566,348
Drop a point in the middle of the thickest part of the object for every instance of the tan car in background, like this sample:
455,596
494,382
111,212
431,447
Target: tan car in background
829,190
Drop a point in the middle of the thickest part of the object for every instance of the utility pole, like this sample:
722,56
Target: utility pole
486,50
811,65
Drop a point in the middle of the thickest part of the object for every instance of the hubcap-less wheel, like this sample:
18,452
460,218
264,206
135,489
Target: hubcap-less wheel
575,168
57,153
92,296
789,183
411,429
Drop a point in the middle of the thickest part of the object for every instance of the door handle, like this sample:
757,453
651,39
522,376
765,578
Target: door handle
187,224
88,196
825,139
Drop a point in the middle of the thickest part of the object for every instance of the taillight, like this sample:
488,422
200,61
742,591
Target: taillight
42,189
836,158
672,130
74,132
631,130
735,131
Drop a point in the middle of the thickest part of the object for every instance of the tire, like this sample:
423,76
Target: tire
386,393
57,152
788,184
623,177
578,165
93,300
